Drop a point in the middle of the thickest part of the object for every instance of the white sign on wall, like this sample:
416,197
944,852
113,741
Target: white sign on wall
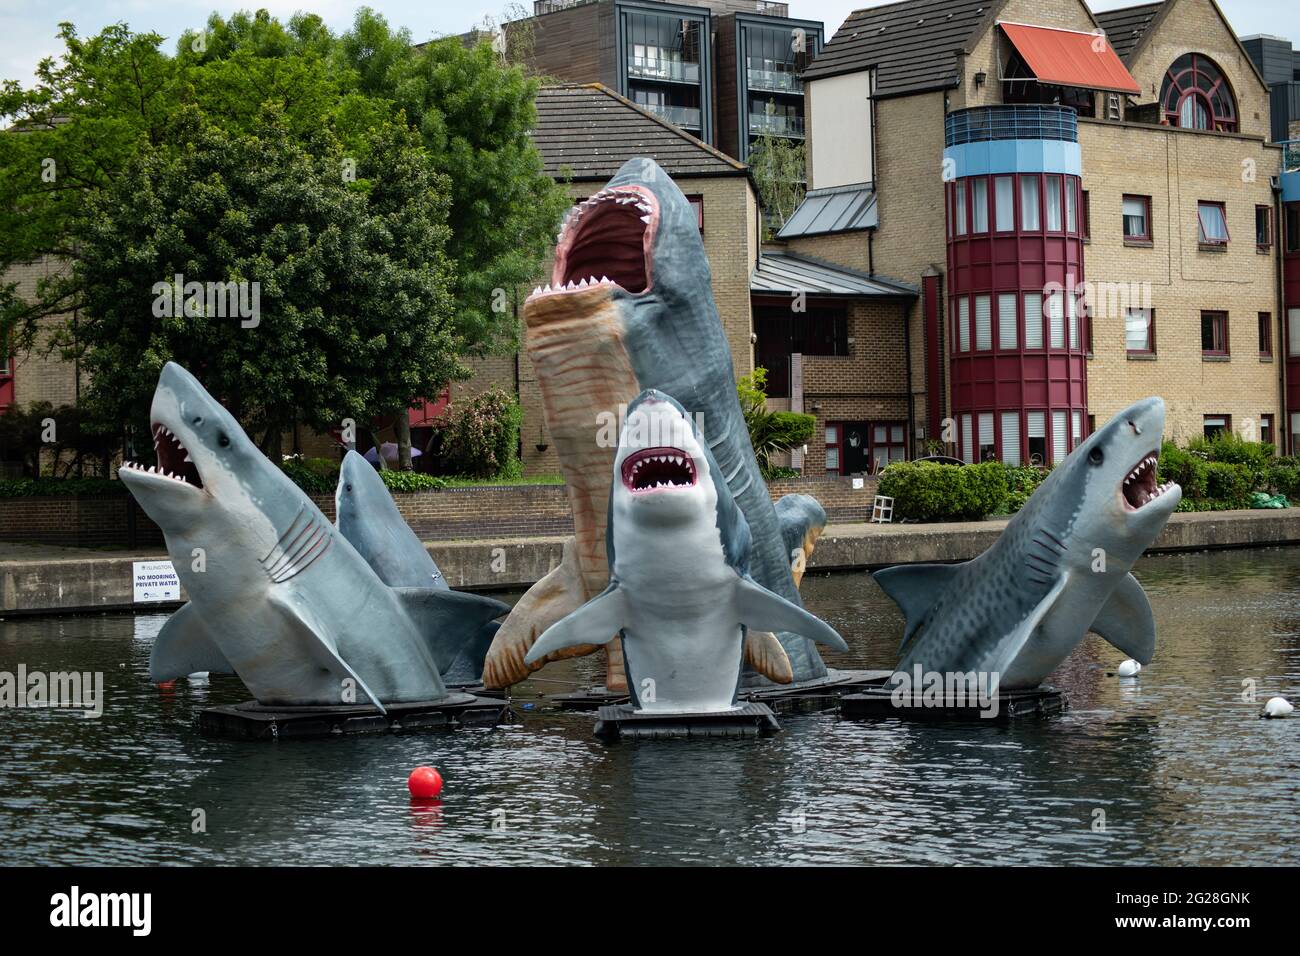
154,581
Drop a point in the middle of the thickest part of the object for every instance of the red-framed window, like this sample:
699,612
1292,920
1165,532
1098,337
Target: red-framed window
1292,237
1212,219
697,203
1266,430
834,448
1214,332
1266,335
1212,425
1085,214
1195,95
1136,212
1031,203
979,205
1053,204
1264,228
1004,204
1140,331
870,446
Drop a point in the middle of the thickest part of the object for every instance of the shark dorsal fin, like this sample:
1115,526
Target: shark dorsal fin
915,588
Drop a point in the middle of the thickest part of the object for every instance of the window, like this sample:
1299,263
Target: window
1011,438
1072,318
1293,333
1029,203
979,204
1295,430
1076,429
1056,319
1037,428
1085,219
1004,201
781,333
1195,95
983,324
967,451
1007,320
963,324
1140,332
1263,228
1214,223
988,450
1034,320
1071,206
1214,333
832,449
1266,335
1053,203
697,206
1216,425
888,443
1266,429
1293,227
1060,439
959,207
1137,218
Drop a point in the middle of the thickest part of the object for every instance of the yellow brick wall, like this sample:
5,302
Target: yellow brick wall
41,375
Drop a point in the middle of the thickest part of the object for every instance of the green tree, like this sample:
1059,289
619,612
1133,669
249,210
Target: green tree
778,165
344,276
770,432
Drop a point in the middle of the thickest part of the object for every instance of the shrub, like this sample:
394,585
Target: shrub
1229,484
57,487
928,491
307,478
1283,478
410,480
1189,468
770,433
480,437
1021,483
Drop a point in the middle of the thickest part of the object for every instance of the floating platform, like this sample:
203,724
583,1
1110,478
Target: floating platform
812,695
590,698
620,721
254,721
875,703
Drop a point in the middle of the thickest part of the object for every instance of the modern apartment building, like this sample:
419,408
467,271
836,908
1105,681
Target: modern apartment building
725,71
1279,64
1089,205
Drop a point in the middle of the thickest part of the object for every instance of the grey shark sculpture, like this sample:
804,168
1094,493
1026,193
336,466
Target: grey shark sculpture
1060,569
630,307
680,596
368,517
277,595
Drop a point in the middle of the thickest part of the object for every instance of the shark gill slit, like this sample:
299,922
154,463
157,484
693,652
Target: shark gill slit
307,540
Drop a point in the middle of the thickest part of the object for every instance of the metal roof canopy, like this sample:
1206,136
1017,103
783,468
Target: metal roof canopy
784,273
834,209
1070,58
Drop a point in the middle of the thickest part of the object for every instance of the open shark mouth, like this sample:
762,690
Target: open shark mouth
606,240
1140,488
173,460
658,469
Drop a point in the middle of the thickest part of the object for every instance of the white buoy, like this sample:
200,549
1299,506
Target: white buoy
1129,668
199,677
1278,707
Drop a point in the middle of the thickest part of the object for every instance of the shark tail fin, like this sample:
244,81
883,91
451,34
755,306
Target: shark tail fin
598,621
467,668
760,609
915,588
450,620
764,653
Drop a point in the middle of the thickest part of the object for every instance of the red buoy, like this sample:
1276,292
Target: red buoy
424,782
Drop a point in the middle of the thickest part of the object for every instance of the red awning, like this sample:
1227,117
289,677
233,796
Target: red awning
1071,58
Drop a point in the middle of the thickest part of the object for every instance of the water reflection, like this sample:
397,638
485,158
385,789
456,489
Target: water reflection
1175,759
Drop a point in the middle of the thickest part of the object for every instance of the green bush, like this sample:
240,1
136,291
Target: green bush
1229,483
480,437
929,491
410,480
1283,478
59,487
1189,468
770,433
1021,483
309,479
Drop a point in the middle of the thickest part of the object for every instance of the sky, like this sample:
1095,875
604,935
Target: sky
28,27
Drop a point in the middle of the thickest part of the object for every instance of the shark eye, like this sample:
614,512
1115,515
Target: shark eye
223,440
1095,456
347,487
198,420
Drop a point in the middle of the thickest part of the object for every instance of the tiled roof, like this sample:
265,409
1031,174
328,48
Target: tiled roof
784,273
835,209
1125,27
911,44
587,131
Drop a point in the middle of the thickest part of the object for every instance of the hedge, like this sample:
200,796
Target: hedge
59,487
929,491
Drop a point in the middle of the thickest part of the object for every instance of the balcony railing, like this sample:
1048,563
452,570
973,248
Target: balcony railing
659,69
1291,156
778,124
778,81
981,124
686,116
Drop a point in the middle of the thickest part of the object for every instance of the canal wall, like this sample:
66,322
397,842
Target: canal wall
40,579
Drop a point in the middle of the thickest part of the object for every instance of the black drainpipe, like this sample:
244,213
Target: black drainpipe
907,360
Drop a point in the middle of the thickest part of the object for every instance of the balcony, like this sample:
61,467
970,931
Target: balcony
776,81
983,124
672,71
1290,156
777,124
688,117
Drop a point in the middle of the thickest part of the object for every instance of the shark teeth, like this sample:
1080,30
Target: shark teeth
572,286
655,469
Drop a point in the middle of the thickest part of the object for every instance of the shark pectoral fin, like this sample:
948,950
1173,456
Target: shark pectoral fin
915,588
764,653
308,640
467,668
183,646
1126,621
598,621
761,610
449,620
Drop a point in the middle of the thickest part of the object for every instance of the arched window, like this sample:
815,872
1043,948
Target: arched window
1196,95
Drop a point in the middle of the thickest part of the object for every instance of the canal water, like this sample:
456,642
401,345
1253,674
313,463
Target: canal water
1172,768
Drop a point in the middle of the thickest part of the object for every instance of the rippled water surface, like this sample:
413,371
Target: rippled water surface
1181,766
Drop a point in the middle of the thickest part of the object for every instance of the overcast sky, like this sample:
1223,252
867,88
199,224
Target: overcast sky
29,26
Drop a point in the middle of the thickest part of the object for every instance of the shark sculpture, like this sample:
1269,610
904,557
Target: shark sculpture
277,595
679,595
630,307
1060,569
367,516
